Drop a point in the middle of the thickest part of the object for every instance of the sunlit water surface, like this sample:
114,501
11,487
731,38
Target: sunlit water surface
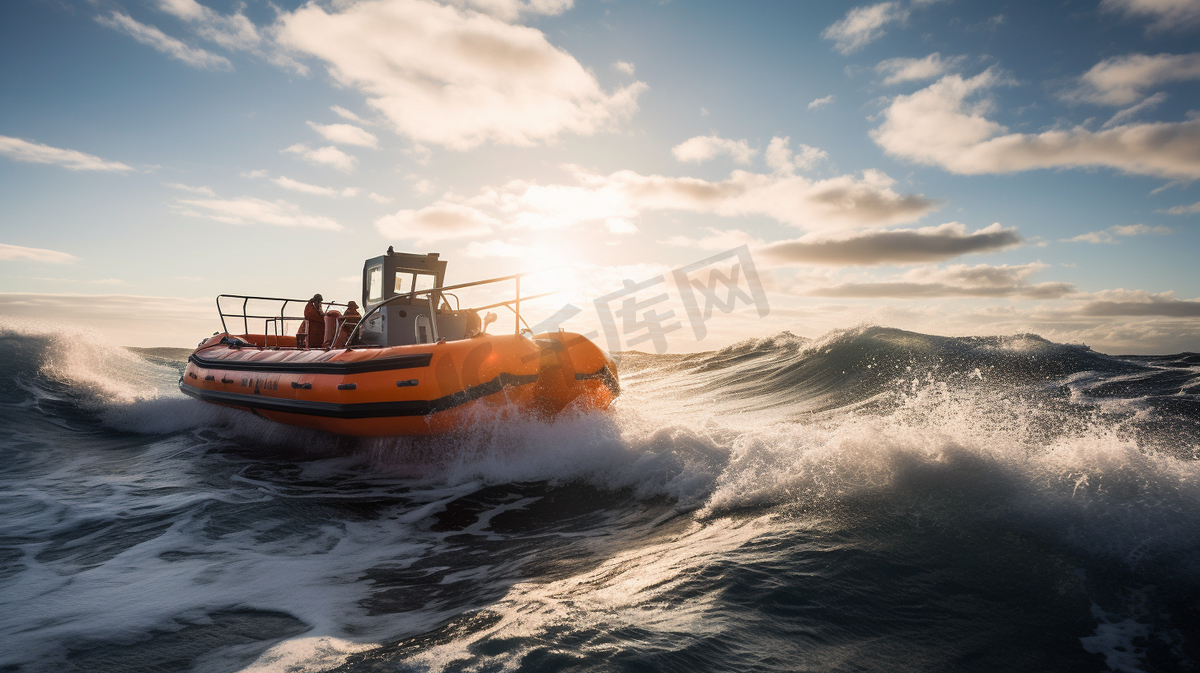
874,500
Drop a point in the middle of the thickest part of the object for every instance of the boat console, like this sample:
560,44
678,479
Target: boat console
403,287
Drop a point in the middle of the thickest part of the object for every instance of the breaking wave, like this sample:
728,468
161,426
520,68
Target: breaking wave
1029,497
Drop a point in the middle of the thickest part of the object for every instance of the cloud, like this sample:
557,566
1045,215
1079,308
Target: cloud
16,252
937,126
438,222
324,156
863,25
419,154
781,159
346,114
717,239
297,186
895,246
206,191
821,102
703,148
1123,116
494,249
153,37
959,280
379,198
457,78
1107,235
844,201
1167,14
510,10
249,210
1123,80
37,153
122,319
620,225
623,66
232,31
422,185
260,173
1182,210
1138,303
900,70
346,134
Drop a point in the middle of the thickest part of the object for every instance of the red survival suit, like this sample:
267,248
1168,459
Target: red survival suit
314,323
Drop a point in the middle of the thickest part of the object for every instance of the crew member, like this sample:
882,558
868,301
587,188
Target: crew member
314,321
349,319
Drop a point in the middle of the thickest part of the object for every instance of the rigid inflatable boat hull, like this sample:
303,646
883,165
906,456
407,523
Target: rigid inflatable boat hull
403,390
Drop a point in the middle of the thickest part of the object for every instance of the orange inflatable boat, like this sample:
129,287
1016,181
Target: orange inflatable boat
411,365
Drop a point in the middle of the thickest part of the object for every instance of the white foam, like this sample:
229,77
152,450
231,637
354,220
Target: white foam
1079,480
1115,638
307,655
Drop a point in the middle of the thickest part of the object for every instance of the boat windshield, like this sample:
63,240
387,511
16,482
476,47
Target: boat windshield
375,283
409,281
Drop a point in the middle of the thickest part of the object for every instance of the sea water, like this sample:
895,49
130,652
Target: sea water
871,500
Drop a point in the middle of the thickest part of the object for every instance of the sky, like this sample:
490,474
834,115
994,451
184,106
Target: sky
951,168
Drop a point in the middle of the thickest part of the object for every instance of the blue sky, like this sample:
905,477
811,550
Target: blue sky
947,167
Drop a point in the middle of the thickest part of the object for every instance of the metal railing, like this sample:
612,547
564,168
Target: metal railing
434,294
277,322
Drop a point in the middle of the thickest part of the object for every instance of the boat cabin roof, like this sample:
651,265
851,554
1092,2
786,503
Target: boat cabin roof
398,273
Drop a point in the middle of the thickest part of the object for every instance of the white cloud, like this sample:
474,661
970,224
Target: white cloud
620,225
893,246
346,134
260,173
624,66
900,70
821,102
959,280
703,148
1167,14
37,153
206,191
938,126
233,31
1123,80
1123,116
839,202
249,210
1108,235
495,249
119,319
863,25
15,252
438,222
781,159
717,239
510,10
457,78
324,156
297,186
1141,303
1183,210
153,37
346,114
379,198
420,154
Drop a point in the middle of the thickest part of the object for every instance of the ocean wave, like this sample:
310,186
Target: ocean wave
135,510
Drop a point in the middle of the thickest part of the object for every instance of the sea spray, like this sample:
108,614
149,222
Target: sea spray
862,500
